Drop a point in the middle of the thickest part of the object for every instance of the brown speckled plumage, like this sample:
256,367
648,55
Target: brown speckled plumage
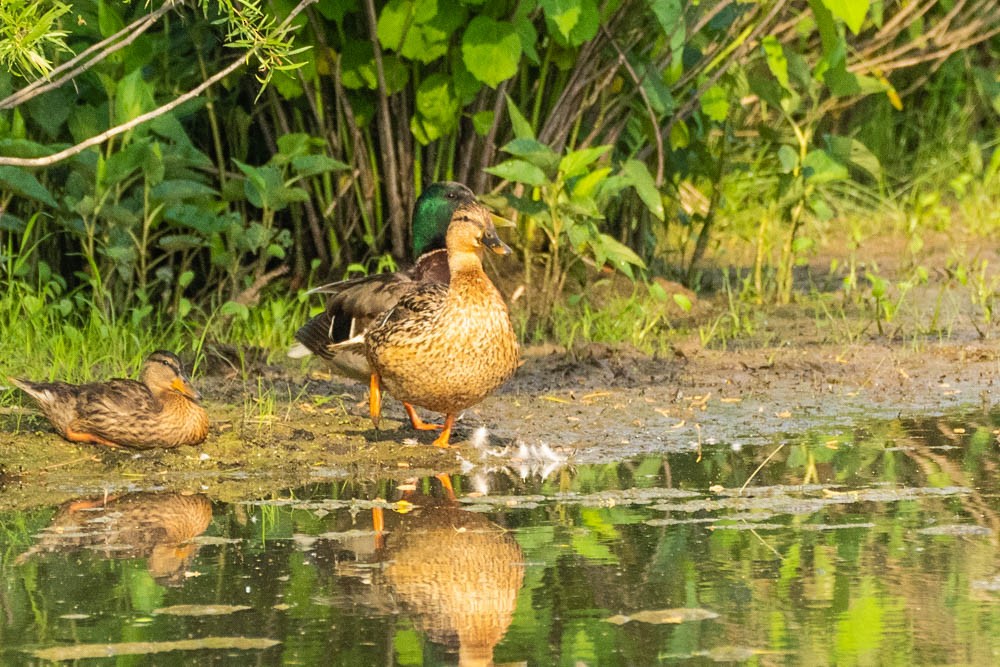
161,410
354,304
457,574
446,348
155,526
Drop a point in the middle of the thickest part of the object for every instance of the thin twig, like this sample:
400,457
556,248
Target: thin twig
762,464
127,35
150,115
391,171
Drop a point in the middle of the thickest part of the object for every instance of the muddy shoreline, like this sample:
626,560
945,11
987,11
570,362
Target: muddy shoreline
595,404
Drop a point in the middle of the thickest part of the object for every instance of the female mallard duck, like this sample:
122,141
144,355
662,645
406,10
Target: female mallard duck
159,411
354,304
446,347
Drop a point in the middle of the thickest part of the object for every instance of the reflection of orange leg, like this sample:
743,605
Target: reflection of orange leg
446,483
81,436
375,399
378,523
419,423
442,440
78,505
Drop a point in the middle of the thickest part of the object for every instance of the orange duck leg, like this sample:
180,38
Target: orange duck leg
83,436
419,423
375,399
442,440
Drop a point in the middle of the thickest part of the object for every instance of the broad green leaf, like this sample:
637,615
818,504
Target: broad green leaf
576,162
521,126
669,14
23,148
437,105
680,136
24,183
534,152
563,14
715,103
491,50
819,167
571,22
587,185
419,29
482,121
357,65
683,302
109,21
263,186
640,178
529,37
294,144
519,171
851,12
619,254
232,308
123,164
178,190
832,70
776,60
10,223
467,87
395,19
310,165
133,97
52,109
822,211
853,152
789,158
336,10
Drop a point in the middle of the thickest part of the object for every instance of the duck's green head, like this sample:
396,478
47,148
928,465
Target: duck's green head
432,214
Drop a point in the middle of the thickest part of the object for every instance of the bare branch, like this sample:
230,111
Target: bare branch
150,115
391,172
127,35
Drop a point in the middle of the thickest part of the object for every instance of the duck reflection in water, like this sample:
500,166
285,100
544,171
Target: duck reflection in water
156,526
454,572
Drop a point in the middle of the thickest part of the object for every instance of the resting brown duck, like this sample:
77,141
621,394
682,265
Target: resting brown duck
157,526
446,347
354,304
161,410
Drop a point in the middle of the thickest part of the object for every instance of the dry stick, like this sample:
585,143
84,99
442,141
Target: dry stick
129,32
939,54
150,115
762,464
124,127
391,174
489,142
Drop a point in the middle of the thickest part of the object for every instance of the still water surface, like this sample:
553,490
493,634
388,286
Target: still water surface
870,545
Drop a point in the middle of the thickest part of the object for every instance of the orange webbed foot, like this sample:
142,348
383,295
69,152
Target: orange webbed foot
419,423
83,436
442,440
445,480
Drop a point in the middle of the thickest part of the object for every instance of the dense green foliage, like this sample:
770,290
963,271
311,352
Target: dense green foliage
632,134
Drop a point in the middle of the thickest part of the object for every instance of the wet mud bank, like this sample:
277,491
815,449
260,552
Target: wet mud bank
593,404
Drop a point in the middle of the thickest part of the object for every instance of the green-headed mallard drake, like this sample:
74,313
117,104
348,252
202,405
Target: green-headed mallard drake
446,347
354,304
161,410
